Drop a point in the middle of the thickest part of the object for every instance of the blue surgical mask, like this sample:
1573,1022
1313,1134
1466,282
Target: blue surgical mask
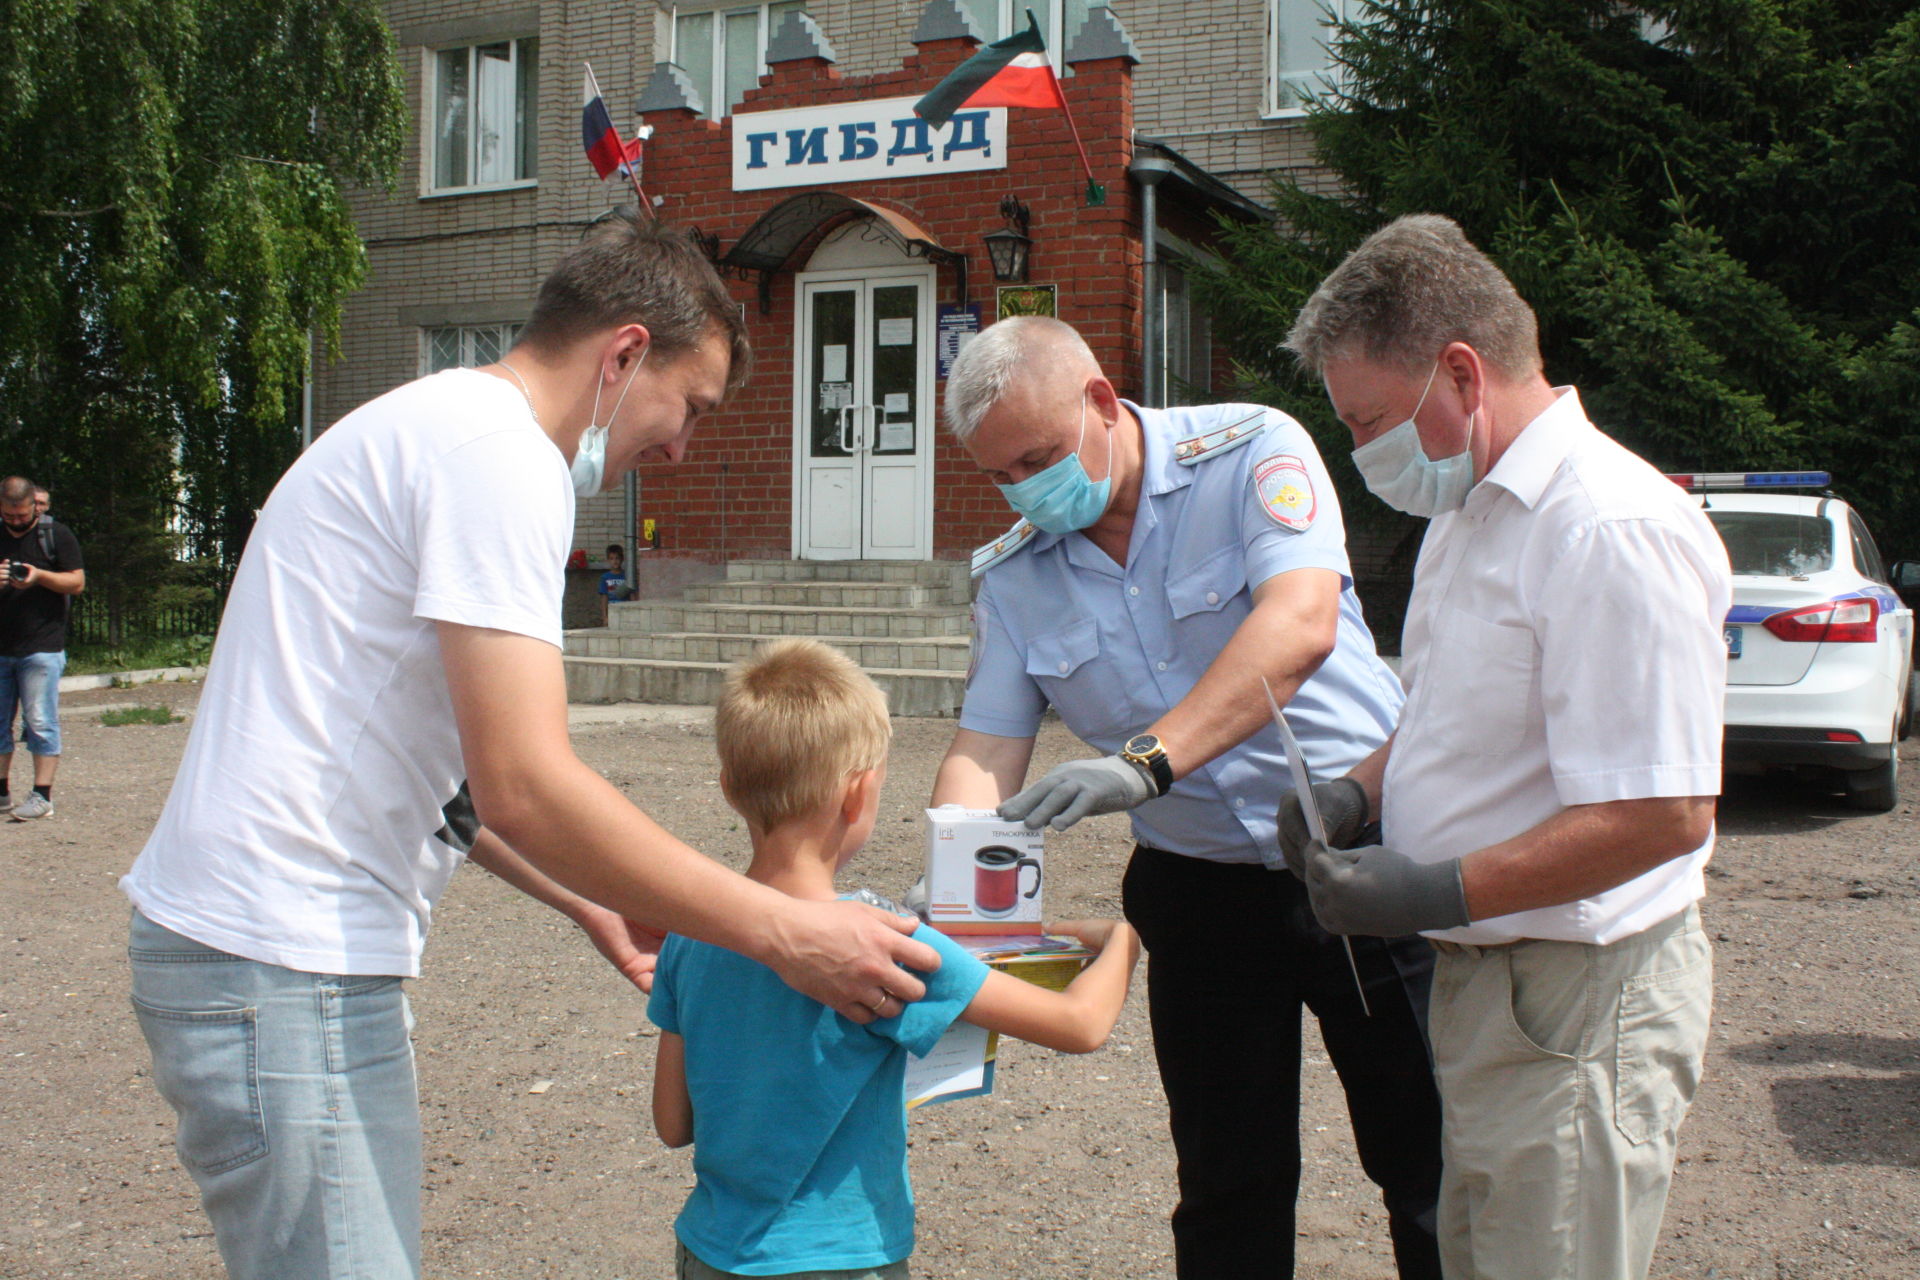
589,467
1396,467
1062,499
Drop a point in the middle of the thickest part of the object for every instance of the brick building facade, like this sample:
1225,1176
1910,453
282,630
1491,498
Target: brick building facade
872,260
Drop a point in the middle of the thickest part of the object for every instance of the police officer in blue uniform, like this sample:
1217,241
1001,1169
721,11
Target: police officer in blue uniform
1168,559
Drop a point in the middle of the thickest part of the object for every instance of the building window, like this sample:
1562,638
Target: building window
465,346
724,51
998,18
1298,64
486,107
1186,340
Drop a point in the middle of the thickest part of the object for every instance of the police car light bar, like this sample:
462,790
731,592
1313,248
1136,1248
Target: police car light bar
1696,481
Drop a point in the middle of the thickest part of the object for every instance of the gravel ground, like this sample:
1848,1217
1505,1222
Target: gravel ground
1801,1158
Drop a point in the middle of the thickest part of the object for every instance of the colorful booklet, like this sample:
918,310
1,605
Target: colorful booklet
961,1065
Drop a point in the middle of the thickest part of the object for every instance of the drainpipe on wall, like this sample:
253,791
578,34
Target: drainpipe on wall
1148,170
628,538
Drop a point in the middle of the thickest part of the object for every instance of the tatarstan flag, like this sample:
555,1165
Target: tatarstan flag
1013,72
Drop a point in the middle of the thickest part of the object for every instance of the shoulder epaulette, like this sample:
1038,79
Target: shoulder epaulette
1211,444
985,557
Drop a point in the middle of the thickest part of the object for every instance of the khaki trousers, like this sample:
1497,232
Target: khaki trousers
1565,1070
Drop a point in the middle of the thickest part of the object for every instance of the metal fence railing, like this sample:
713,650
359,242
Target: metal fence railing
90,623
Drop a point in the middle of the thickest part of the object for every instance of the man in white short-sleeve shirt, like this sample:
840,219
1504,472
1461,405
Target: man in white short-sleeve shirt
1547,798
386,699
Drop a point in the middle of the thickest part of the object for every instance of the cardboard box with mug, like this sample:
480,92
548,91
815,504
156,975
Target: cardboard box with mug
984,874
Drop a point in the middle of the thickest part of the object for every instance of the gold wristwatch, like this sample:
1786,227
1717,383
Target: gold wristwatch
1144,751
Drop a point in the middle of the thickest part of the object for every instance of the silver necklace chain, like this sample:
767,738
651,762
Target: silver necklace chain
525,391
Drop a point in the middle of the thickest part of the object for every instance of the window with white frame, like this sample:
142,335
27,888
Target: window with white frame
724,50
486,108
1060,21
466,346
1298,62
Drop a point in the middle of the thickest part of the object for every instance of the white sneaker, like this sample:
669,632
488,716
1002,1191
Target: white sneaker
34,806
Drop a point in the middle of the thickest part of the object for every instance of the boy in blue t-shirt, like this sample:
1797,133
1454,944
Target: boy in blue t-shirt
797,1115
613,583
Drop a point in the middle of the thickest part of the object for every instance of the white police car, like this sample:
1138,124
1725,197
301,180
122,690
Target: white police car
1819,646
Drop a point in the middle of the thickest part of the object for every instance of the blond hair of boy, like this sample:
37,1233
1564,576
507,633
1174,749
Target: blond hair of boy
802,734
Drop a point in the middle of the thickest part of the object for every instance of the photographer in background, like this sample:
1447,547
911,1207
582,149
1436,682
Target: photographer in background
39,568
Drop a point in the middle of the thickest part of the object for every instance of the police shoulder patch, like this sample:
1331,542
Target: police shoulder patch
985,557
1286,491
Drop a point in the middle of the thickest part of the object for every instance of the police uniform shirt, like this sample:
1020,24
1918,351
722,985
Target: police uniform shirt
1113,648
1563,647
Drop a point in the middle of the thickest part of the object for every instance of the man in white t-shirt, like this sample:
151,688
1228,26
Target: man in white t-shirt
386,698
1547,798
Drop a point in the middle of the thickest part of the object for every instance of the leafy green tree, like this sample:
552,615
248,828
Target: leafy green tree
173,229
1714,205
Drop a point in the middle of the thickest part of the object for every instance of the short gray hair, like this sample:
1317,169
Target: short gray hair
1412,287
998,358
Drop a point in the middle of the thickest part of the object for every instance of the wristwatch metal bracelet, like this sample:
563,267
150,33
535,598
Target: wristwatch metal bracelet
1145,753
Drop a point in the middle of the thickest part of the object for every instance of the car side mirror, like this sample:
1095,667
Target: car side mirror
1906,576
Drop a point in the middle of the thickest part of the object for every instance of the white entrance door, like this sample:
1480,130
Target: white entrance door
863,415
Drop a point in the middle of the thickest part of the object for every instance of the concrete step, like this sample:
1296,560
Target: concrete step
909,693
789,620
864,595
929,653
939,573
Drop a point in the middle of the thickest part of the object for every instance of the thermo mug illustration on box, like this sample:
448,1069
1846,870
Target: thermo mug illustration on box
996,880
984,874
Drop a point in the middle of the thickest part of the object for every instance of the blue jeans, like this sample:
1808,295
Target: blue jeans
299,1115
32,683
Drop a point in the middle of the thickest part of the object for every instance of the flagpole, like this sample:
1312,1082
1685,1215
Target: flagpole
633,173
1096,194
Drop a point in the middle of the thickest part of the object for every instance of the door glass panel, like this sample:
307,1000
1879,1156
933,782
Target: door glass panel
830,368
896,362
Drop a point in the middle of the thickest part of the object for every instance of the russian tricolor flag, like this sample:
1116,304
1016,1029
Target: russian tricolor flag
1013,72
605,150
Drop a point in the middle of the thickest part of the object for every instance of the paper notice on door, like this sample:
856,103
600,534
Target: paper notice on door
897,332
835,395
896,436
898,402
833,364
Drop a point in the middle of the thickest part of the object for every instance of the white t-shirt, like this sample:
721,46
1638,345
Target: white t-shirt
1562,648
301,829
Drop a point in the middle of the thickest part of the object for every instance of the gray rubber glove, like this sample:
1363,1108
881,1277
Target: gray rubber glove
1343,810
1382,894
1080,789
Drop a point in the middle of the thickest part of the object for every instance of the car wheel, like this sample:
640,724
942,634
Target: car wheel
1875,790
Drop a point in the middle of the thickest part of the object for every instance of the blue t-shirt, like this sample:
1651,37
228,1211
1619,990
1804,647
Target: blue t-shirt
613,584
799,1116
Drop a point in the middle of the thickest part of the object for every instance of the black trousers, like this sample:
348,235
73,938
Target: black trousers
1233,953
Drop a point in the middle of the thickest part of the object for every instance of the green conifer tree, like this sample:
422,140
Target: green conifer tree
1714,206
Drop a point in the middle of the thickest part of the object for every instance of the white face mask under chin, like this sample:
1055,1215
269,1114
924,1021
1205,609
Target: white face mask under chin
1397,469
589,468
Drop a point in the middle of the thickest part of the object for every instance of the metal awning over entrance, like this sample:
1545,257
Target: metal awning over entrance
770,243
